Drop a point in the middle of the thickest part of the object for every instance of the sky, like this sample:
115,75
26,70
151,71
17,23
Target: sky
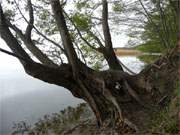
7,62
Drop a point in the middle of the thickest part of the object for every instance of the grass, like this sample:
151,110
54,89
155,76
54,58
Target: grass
166,121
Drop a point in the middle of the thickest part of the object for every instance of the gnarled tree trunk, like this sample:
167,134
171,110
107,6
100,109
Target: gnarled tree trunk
114,95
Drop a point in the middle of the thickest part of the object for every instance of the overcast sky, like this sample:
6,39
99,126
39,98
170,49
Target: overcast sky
8,63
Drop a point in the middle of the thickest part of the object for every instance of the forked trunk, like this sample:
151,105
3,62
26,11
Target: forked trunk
115,97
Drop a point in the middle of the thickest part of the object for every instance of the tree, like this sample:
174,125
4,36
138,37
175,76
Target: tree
153,27
135,93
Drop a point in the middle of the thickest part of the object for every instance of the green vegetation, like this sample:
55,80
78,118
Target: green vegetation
164,123
148,58
167,120
158,33
82,21
150,47
57,123
81,36
81,120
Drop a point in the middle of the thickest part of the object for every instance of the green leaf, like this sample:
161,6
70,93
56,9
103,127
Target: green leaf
82,21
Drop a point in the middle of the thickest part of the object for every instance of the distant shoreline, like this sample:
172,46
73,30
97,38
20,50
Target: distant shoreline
132,52
127,51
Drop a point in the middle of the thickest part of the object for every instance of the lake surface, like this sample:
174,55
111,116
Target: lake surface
25,98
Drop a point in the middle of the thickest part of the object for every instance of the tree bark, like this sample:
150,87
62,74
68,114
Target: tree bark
11,41
65,36
109,53
114,95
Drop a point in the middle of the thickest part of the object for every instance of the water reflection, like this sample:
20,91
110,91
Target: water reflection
28,99
132,62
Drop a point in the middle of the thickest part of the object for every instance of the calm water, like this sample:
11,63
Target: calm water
25,98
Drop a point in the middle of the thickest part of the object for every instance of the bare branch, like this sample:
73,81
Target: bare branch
48,39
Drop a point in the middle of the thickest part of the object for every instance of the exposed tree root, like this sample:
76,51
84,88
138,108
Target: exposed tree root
91,101
133,93
112,99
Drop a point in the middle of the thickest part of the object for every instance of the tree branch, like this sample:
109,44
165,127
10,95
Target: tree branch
152,22
66,39
82,55
14,55
11,41
96,38
109,54
106,31
38,32
62,75
48,39
26,38
164,23
31,20
80,35
16,29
